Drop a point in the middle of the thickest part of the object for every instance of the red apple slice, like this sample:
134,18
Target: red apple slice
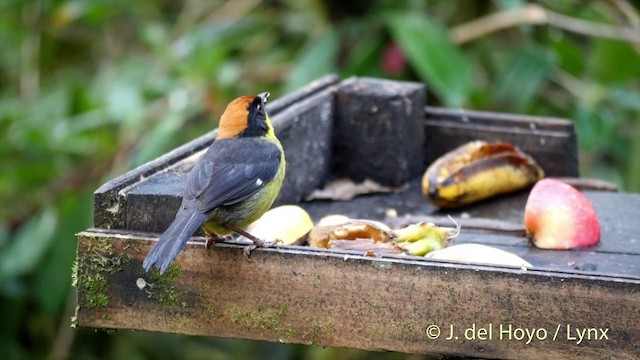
558,216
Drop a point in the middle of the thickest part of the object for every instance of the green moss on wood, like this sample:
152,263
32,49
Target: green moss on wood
173,272
273,321
74,318
94,289
74,273
320,328
240,316
91,269
132,245
162,287
210,310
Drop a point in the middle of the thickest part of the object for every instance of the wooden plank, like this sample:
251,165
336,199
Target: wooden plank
551,141
298,295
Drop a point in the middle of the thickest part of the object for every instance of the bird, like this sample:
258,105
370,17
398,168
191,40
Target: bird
231,185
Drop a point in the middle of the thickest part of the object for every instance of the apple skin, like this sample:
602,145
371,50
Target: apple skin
558,216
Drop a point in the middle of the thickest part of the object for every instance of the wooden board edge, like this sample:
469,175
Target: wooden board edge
293,296
543,123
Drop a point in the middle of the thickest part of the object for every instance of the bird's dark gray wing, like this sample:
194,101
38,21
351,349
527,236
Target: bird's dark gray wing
231,172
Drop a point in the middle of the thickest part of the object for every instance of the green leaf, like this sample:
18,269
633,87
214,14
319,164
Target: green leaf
159,138
626,98
4,235
28,246
523,76
316,59
53,282
570,57
614,62
632,177
362,59
119,89
441,64
510,4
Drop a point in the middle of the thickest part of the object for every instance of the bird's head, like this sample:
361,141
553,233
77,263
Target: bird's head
245,117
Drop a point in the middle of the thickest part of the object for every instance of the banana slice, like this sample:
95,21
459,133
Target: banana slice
286,223
477,253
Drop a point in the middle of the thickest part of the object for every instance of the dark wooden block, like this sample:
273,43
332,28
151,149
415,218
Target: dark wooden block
306,140
378,132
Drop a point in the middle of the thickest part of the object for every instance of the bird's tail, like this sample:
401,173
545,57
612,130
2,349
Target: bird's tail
174,238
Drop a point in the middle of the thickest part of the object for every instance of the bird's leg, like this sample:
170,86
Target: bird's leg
256,242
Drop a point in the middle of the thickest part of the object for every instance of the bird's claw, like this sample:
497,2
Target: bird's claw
248,249
256,243
209,242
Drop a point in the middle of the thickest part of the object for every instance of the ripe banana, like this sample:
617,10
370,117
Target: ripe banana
478,170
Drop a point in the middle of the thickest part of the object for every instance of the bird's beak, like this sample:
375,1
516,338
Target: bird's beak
264,96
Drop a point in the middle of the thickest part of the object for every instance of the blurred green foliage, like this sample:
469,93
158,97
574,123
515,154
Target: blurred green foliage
90,89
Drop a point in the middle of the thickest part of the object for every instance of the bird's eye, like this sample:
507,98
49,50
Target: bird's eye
259,108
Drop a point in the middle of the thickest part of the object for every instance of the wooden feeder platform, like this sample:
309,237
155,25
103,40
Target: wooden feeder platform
571,304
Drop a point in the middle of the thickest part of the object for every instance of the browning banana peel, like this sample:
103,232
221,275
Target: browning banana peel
478,170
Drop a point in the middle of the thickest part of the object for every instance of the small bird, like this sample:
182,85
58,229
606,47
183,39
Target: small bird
231,185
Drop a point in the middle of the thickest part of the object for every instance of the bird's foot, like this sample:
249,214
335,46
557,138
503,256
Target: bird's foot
248,249
256,242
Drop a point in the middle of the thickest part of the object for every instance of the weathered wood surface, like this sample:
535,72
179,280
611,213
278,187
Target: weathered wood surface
551,141
617,254
378,131
301,295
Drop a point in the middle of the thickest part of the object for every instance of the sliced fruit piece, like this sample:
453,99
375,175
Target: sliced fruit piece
477,253
287,224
